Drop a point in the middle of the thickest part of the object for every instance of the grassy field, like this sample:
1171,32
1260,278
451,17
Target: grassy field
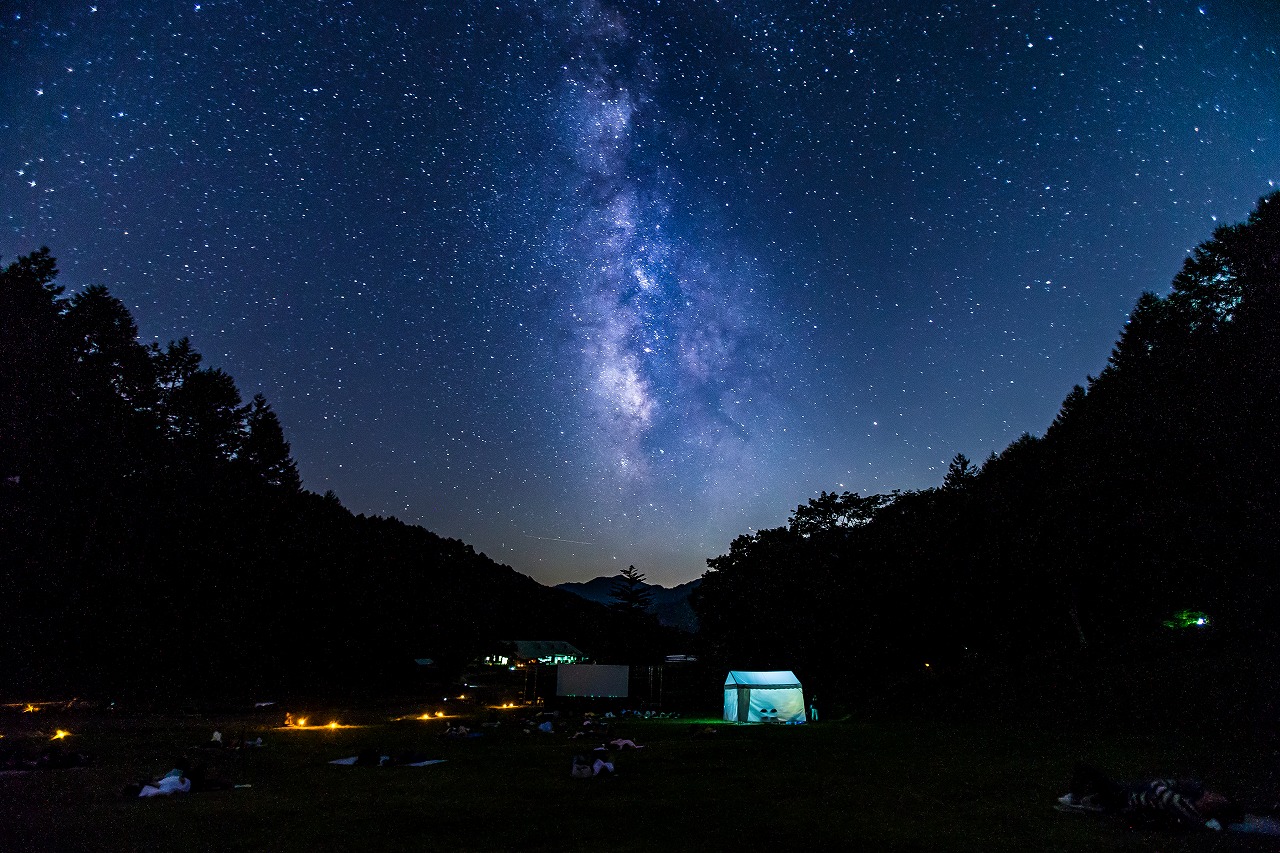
884,785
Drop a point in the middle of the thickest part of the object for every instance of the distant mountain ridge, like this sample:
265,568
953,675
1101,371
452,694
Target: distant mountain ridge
671,606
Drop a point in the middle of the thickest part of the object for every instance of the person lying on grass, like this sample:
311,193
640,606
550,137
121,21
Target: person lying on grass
186,777
600,764
1172,802
625,743
176,781
378,758
590,723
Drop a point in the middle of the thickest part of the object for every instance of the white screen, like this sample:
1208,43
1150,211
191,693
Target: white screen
592,680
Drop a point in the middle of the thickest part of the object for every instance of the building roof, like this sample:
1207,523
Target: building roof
534,649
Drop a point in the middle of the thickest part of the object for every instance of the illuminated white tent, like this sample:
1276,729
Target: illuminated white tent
763,697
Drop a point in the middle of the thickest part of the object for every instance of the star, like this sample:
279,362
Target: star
519,250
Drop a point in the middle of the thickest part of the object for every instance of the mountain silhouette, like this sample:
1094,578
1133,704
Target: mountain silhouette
671,606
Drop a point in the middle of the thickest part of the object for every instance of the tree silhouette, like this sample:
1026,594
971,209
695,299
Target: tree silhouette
138,490
830,511
33,360
206,416
960,473
630,592
265,450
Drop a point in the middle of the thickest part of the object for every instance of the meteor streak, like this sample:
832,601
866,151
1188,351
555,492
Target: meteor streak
558,539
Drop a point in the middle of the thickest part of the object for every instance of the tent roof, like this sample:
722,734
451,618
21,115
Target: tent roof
776,678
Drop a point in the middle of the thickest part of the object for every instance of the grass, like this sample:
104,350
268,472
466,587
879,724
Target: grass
857,784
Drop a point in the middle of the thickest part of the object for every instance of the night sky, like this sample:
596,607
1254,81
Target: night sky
596,284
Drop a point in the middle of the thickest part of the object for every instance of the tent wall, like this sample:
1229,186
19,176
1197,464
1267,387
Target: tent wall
769,705
732,698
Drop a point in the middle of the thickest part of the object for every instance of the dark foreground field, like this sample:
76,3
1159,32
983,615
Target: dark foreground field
852,784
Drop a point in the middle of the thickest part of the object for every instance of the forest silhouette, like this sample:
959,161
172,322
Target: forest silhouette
155,538
1152,493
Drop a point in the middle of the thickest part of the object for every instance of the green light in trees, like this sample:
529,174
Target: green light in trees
1188,619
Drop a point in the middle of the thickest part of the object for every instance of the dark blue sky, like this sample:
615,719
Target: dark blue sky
595,284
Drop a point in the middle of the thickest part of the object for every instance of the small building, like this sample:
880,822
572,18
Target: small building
527,652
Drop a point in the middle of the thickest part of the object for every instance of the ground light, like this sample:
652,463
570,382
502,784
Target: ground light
60,734
300,723
32,707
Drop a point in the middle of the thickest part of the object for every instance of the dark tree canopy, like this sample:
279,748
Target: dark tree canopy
142,498
830,511
1155,491
960,473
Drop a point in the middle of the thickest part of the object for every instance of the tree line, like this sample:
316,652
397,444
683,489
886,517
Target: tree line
1155,491
155,538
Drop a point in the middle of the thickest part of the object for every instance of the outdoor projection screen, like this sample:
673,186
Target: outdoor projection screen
592,680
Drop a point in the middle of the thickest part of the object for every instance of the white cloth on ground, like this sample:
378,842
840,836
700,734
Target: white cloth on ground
166,786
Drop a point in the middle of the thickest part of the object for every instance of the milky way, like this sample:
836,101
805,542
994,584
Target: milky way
597,283
674,354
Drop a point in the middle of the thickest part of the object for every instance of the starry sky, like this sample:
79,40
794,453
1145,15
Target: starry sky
596,283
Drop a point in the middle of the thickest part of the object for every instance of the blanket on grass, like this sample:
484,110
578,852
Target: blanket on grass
385,761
